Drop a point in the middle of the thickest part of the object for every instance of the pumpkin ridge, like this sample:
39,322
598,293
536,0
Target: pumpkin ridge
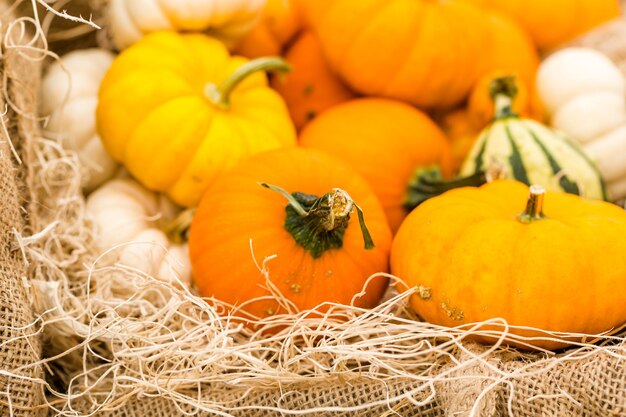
208,119
410,41
362,34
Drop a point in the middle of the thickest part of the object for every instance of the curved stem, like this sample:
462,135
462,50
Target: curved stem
503,91
219,95
428,183
319,223
534,205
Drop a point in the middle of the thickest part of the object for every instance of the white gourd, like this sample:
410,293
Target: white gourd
584,93
127,217
228,20
68,97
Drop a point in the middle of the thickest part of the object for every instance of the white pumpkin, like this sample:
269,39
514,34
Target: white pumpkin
69,96
127,217
584,93
228,20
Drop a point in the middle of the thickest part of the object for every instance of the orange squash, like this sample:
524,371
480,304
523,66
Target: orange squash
428,53
280,22
551,23
461,133
480,104
476,254
387,142
312,86
312,256
511,49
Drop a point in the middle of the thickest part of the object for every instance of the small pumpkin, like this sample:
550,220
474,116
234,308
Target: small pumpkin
475,254
279,24
388,142
312,86
584,92
430,55
459,128
228,20
554,22
130,223
68,97
178,110
530,152
311,241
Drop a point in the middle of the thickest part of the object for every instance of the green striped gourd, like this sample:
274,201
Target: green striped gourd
530,152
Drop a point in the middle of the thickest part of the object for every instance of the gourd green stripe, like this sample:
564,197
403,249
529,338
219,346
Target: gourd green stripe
478,161
515,159
591,164
568,185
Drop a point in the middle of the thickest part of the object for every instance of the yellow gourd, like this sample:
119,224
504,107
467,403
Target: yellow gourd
177,110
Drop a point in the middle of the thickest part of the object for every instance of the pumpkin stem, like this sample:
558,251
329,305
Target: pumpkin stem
319,223
534,205
503,91
178,229
219,95
428,182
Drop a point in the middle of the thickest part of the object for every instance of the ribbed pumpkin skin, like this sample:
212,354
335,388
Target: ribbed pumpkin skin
236,212
534,154
154,117
311,87
563,273
553,22
511,49
385,141
423,52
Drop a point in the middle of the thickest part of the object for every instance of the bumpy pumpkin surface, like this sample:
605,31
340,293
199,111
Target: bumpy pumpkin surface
311,262
386,141
428,53
473,258
177,110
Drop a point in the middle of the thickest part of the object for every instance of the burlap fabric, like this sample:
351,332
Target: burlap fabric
21,391
42,200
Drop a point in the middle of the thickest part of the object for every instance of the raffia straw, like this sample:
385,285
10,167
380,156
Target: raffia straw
117,333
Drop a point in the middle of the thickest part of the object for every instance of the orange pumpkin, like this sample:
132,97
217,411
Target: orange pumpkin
387,142
312,86
510,48
480,103
280,23
476,254
428,53
461,133
551,23
313,255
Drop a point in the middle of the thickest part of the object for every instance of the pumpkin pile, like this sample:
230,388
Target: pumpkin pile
276,155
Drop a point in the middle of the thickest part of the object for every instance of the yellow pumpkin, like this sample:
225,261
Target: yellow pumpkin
177,110
476,254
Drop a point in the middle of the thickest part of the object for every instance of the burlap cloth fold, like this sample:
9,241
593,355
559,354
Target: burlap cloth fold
46,250
21,391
